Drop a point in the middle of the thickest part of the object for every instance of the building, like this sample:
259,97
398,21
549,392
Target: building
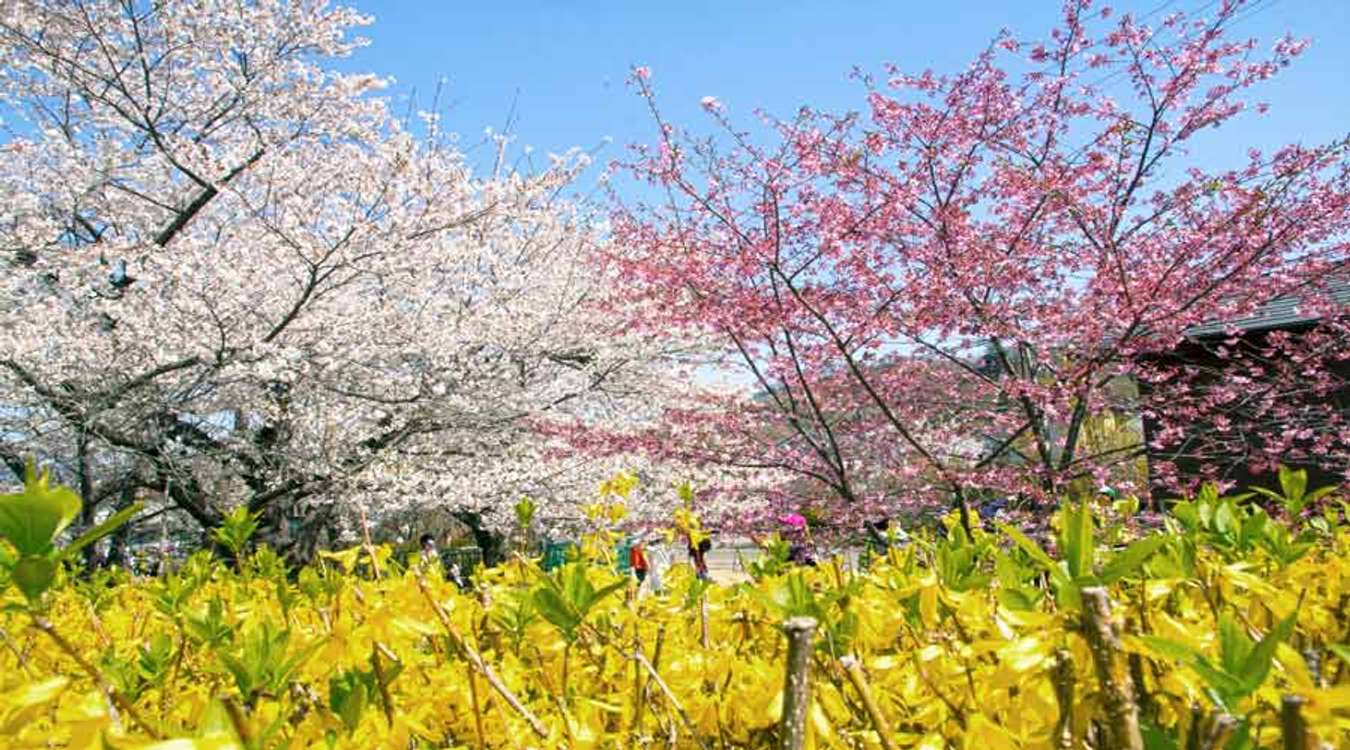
1207,359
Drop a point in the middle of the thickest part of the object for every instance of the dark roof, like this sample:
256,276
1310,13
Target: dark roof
1281,312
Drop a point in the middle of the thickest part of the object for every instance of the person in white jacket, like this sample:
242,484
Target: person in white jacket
658,562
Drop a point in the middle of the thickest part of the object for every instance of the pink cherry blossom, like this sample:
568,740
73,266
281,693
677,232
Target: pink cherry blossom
972,286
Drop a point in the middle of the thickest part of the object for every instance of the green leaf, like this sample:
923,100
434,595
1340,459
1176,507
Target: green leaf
1272,494
1257,664
1234,645
1206,503
1170,649
1188,514
243,675
1226,688
525,510
292,664
33,575
1157,738
113,522
1253,527
1242,738
1225,519
556,610
1017,600
1166,564
32,519
686,493
575,588
1131,558
215,721
1068,593
1029,546
1341,651
347,697
1079,545
1320,493
697,588
1226,685
156,657
604,592
1294,483
236,528
1007,571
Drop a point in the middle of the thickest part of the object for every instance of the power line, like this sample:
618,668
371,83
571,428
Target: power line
1256,8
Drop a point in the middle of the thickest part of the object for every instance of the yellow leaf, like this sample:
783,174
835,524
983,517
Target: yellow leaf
776,707
218,742
346,558
1025,654
23,703
981,734
420,627
87,717
1332,699
928,603
1294,668
930,653
818,729
932,741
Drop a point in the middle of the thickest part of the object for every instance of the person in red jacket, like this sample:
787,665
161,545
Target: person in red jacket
637,560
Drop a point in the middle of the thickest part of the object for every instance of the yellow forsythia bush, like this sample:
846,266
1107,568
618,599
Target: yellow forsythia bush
957,640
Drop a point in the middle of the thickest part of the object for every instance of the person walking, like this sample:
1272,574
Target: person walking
799,554
798,535
657,567
698,556
637,560
427,546
878,541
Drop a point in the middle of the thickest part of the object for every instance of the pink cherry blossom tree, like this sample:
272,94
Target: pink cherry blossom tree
950,292
234,278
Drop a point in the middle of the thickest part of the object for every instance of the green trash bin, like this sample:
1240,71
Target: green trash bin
555,554
621,555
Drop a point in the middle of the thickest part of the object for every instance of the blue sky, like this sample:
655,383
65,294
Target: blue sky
563,64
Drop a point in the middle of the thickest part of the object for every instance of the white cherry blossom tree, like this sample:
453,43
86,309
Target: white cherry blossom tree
233,277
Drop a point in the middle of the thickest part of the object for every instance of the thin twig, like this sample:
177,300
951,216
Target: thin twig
9,643
482,666
45,625
853,668
703,620
238,721
1064,690
370,548
1221,728
1292,725
670,697
383,685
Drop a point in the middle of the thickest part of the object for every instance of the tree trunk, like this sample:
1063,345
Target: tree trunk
1122,713
797,683
492,544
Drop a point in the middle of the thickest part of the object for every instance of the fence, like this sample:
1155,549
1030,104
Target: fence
469,559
